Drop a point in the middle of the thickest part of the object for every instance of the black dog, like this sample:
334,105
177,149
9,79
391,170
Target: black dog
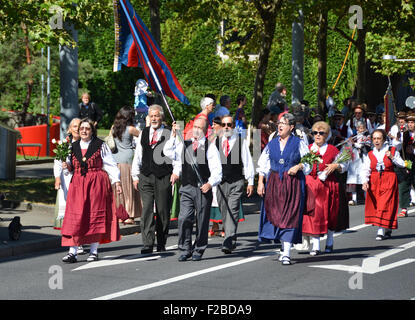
15,229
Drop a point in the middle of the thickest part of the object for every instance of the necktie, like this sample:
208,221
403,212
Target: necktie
195,145
154,139
225,146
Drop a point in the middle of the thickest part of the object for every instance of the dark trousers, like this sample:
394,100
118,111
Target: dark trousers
229,201
405,185
158,191
194,207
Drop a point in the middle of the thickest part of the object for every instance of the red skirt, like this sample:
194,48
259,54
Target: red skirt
90,214
382,200
325,208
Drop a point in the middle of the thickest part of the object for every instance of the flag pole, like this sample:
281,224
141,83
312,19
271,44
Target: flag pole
158,85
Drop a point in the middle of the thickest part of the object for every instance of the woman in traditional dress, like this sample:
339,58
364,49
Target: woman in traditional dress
381,185
284,193
323,191
90,215
62,180
123,131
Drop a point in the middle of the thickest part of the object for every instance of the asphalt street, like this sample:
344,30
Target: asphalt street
360,268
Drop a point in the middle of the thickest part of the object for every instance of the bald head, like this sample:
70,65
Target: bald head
199,128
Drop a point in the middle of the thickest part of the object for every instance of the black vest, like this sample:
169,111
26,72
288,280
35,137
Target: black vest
153,159
232,166
407,141
188,174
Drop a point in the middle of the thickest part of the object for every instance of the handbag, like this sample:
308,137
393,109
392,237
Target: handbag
109,140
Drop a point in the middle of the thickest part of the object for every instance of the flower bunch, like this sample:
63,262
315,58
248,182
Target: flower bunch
312,157
346,154
411,141
63,149
408,164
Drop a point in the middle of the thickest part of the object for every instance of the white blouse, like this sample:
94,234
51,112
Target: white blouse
264,161
379,154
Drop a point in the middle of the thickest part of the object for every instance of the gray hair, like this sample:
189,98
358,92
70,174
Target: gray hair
206,101
290,118
360,123
158,108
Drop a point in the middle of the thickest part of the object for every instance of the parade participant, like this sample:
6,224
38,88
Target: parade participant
237,164
153,175
195,196
406,177
323,191
62,180
124,131
358,115
339,129
284,194
208,105
396,131
90,215
361,146
381,185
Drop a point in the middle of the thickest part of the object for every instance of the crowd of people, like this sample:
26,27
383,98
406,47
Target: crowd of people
200,173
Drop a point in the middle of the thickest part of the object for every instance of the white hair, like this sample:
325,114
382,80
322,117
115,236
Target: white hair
158,108
206,101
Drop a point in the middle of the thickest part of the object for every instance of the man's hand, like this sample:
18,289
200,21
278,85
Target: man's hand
135,184
173,179
249,191
206,187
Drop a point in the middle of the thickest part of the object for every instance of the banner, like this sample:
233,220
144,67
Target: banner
136,47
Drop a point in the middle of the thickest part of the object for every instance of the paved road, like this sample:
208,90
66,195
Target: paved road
360,268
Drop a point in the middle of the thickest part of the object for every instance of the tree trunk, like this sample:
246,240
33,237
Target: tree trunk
361,65
29,82
155,20
322,63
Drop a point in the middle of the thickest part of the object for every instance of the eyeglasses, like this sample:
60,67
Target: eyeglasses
283,123
321,133
226,125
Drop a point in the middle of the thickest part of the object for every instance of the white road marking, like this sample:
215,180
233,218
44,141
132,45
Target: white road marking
182,277
371,265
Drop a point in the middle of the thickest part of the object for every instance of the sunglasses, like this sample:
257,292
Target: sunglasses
321,133
226,125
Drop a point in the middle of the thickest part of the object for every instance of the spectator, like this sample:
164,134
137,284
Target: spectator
240,118
124,131
90,110
276,102
225,105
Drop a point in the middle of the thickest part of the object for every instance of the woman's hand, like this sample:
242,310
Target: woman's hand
57,183
261,187
331,167
365,187
293,170
118,187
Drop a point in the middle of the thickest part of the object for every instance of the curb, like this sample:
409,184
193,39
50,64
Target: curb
39,161
15,248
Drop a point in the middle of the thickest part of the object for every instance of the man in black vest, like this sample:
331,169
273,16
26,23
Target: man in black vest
237,165
90,110
153,175
195,195
406,177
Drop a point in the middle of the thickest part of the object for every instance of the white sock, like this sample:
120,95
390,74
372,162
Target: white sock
287,249
93,249
381,231
354,196
73,250
316,243
330,239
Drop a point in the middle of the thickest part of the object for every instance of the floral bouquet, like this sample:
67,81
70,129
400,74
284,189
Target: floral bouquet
312,157
408,164
63,149
345,155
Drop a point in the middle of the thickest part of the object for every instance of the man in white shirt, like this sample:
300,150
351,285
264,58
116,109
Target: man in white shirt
153,175
196,189
237,164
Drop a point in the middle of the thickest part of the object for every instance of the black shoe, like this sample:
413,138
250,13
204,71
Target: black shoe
147,250
329,249
196,257
70,258
184,257
226,250
161,248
